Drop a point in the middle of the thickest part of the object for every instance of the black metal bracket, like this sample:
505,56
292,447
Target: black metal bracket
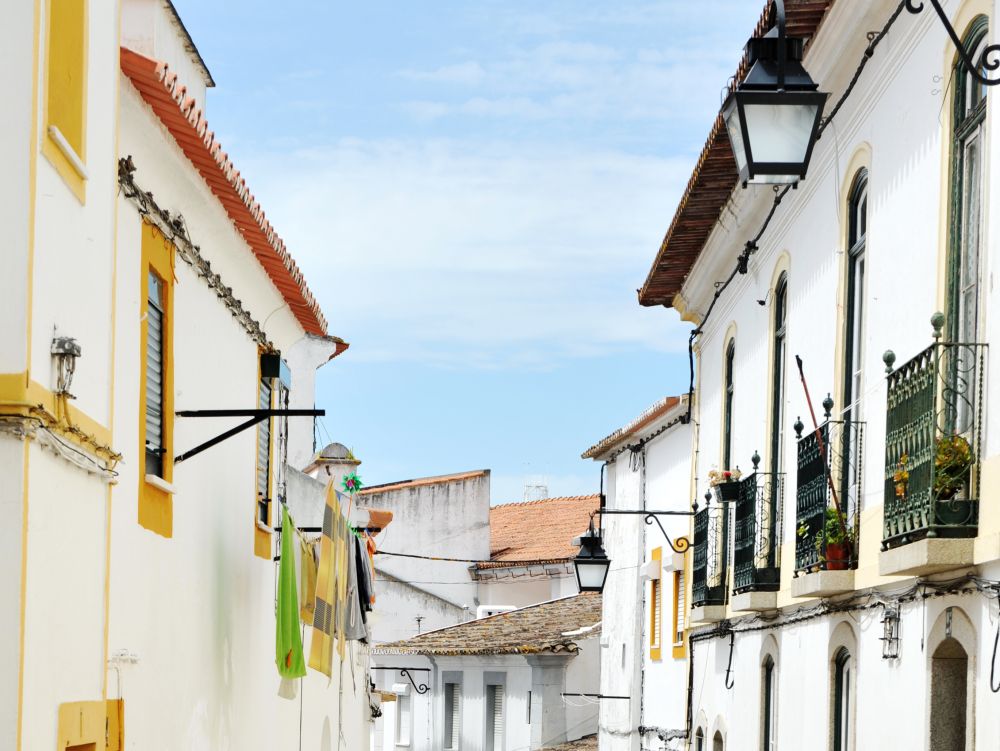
256,416
682,543
989,60
422,688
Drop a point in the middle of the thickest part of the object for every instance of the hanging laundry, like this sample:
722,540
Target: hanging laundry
366,584
288,640
309,550
331,587
354,628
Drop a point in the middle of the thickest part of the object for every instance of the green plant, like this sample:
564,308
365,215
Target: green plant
952,460
901,477
835,530
717,477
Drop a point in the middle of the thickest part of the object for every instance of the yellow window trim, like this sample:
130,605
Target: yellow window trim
64,143
155,501
262,537
656,608
679,650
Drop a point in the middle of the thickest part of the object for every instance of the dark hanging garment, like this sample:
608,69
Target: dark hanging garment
366,578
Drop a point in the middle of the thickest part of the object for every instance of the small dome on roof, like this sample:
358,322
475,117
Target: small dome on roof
336,452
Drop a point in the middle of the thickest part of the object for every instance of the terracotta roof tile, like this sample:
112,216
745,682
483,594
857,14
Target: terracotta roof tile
538,531
649,416
537,628
715,175
182,116
587,743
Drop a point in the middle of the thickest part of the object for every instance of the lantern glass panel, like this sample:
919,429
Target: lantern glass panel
735,128
780,133
591,574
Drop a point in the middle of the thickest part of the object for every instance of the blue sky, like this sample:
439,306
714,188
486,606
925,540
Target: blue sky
475,190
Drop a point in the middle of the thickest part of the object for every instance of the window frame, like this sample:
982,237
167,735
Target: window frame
967,125
729,390
399,739
65,147
779,346
769,710
498,690
841,688
452,714
155,496
656,606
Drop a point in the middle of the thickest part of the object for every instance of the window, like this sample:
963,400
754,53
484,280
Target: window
494,718
656,606
768,705
452,716
842,700
679,612
529,707
403,719
264,455
964,263
727,415
717,743
777,412
156,407
699,740
854,336
66,91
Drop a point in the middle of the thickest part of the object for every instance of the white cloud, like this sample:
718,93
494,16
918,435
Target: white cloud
467,73
472,254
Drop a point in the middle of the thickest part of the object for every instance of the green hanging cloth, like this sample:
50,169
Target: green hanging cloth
289,658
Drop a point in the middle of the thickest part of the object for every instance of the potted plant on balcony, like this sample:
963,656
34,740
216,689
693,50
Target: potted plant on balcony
952,461
726,483
839,541
901,477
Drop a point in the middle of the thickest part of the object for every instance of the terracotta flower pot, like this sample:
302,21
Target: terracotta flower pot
838,556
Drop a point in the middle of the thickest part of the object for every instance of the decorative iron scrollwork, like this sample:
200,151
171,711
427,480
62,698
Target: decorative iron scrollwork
989,60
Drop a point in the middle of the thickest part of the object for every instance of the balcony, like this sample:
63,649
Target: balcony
932,449
827,522
710,565
757,538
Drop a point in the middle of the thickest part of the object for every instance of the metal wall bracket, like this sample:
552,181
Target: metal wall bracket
422,688
255,415
682,543
988,61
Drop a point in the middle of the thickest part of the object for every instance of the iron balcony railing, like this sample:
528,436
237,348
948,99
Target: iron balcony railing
711,556
934,416
757,533
828,483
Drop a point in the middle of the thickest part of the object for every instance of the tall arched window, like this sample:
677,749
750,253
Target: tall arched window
768,709
718,744
842,715
854,337
727,415
968,162
778,347
699,740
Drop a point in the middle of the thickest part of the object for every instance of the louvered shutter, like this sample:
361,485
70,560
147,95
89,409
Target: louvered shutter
494,710
264,445
452,716
657,605
154,377
680,611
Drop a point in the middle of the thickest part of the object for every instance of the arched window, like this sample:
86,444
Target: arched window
949,695
727,415
778,347
717,742
842,713
699,740
968,162
768,709
854,339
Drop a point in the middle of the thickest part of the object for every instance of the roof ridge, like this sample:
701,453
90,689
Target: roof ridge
540,501
468,474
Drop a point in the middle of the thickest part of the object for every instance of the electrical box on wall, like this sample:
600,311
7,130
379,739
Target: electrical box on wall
272,366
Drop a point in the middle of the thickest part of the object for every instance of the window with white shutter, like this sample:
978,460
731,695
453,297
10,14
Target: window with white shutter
264,454
155,306
403,720
494,718
679,610
452,716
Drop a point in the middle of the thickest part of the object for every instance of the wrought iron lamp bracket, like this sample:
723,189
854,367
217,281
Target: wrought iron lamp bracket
421,688
989,60
679,546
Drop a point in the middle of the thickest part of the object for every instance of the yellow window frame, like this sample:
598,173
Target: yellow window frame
156,511
64,142
679,648
656,607
262,537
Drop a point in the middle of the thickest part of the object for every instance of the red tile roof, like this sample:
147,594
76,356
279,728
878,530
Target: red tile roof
714,175
538,531
530,630
182,116
652,414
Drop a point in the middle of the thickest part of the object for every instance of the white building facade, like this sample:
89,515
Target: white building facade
844,588
140,583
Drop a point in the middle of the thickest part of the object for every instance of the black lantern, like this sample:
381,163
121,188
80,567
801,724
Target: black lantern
773,116
591,563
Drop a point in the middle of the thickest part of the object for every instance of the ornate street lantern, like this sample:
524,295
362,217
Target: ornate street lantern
591,563
773,116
